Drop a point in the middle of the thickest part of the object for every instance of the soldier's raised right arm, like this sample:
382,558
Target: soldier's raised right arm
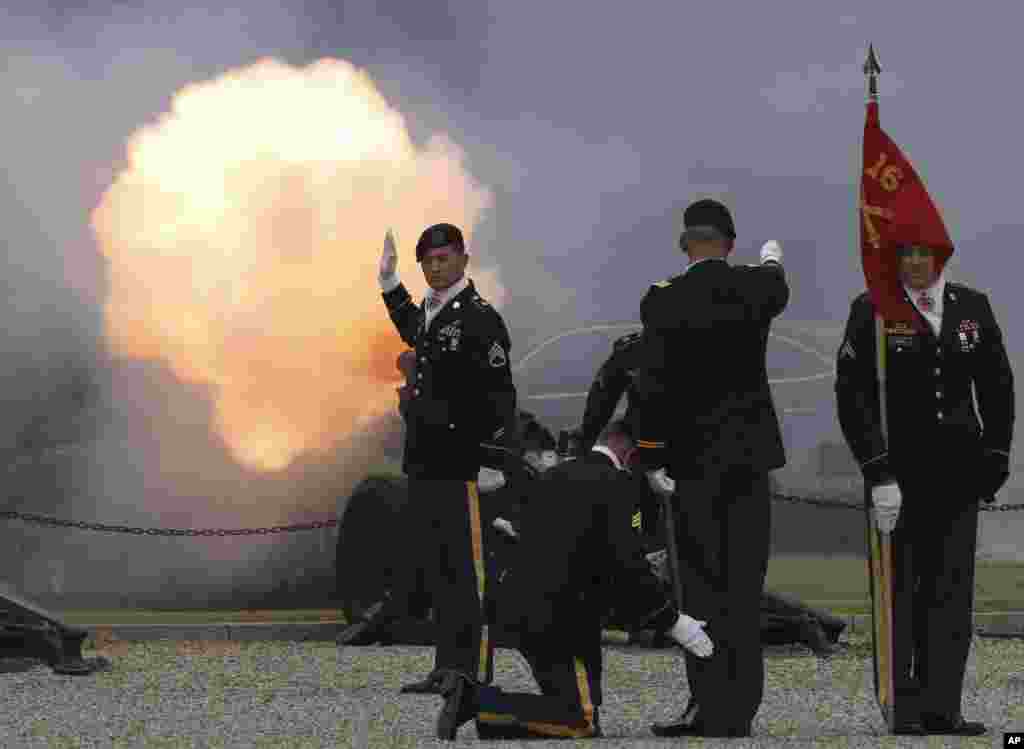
403,311
607,389
856,389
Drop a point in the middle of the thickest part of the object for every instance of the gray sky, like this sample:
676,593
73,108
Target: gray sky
593,123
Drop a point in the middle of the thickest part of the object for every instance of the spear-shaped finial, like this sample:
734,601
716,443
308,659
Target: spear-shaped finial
871,70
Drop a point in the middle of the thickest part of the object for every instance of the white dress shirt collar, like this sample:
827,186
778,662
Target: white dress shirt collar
937,292
445,295
605,450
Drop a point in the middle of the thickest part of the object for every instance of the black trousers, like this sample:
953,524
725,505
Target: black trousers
933,545
445,544
723,525
570,684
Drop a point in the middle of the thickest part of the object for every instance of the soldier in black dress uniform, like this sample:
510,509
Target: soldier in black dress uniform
460,415
783,619
579,557
705,416
938,463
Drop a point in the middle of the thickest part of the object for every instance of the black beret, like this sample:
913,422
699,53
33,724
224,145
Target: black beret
439,235
705,218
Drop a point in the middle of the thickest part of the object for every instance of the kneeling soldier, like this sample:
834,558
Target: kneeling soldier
578,558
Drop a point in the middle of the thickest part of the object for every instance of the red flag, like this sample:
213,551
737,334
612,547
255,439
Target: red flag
895,210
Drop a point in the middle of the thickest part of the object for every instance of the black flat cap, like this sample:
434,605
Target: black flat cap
439,235
706,219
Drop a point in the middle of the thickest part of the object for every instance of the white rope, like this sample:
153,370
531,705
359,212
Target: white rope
799,345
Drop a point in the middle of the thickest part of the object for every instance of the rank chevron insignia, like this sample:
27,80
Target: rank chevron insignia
496,356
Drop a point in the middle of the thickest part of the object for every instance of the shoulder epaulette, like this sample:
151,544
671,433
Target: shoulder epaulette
667,282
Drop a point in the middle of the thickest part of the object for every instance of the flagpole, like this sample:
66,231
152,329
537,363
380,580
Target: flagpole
871,70
883,584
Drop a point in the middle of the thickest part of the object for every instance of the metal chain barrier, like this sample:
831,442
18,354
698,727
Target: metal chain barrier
29,517
46,520
840,505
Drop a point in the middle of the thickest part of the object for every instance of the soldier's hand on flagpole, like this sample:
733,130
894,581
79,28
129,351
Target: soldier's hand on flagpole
771,251
886,500
690,633
388,273
660,482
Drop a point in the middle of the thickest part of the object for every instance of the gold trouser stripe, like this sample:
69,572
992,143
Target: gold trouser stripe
555,729
503,718
548,729
473,497
885,558
881,645
583,685
476,536
482,670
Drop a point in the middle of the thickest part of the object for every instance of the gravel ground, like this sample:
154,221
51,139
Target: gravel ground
285,694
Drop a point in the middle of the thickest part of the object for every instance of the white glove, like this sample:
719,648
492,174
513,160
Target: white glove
887,500
505,527
489,480
661,483
659,564
689,633
771,250
388,273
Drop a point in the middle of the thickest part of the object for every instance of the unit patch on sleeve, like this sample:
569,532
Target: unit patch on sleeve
496,356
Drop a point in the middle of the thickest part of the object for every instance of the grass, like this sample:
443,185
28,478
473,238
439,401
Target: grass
839,585
93,617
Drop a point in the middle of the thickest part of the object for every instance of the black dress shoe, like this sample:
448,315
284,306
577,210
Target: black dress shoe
812,634
459,703
430,685
677,728
370,628
951,725
908,728
686,725
360,634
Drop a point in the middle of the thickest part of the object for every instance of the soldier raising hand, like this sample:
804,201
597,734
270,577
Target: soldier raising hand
460,415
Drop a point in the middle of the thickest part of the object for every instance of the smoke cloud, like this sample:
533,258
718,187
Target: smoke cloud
243,239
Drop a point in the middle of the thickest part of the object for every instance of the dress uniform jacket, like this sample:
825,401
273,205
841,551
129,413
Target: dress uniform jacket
581,556
705,412
578,558
932,422
705,399
464,398
937,453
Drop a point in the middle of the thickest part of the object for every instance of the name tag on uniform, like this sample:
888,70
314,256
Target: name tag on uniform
900,329
901,341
